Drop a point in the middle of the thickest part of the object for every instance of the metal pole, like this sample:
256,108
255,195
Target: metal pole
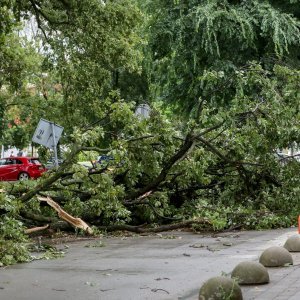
54,146
292,149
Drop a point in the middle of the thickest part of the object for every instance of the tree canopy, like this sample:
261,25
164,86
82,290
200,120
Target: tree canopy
191,40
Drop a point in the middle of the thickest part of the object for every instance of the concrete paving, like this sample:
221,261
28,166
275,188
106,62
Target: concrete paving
172,265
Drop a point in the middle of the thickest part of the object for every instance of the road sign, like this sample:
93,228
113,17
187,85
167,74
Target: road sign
47,134
143,111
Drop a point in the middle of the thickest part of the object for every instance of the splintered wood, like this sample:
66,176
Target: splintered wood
76,222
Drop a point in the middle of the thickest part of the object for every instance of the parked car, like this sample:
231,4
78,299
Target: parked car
103,160
108,162
20,168
50,164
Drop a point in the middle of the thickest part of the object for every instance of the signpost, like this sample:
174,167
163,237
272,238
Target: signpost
48,134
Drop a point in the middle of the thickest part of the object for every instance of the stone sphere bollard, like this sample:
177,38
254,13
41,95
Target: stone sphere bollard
219,288
292,244
276,257
250,272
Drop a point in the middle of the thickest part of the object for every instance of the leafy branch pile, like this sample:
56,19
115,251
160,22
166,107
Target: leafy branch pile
222,80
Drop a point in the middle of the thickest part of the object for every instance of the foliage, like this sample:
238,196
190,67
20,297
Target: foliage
13,247
231,66
190,40
18,62
86,49
12,238
233,163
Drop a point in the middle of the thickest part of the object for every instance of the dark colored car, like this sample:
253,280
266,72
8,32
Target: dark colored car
20,168
104,160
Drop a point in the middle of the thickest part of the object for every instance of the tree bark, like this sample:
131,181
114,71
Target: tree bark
139,229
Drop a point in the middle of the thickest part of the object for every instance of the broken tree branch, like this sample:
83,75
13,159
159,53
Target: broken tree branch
139,229
76,222
217,126
35,229
179,155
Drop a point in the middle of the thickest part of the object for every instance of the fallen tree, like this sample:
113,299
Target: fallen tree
162,174
216,173
212,166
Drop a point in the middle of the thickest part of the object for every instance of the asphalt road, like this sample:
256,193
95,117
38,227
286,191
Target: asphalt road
172,265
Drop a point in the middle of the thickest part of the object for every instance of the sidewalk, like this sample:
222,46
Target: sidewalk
172,265
284,284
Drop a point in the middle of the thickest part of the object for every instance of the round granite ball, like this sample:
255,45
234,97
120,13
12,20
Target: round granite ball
276,257
218,288
250,272
292,244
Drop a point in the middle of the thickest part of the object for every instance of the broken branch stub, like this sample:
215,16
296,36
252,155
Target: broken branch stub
76,222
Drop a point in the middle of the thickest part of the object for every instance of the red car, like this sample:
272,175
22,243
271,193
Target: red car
20,168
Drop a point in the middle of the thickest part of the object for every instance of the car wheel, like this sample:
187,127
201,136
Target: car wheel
23,176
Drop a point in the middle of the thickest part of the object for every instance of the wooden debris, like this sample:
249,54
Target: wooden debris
76,222
35,229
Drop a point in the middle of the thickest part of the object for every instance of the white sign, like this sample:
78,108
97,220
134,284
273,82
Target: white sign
47,134
143,110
